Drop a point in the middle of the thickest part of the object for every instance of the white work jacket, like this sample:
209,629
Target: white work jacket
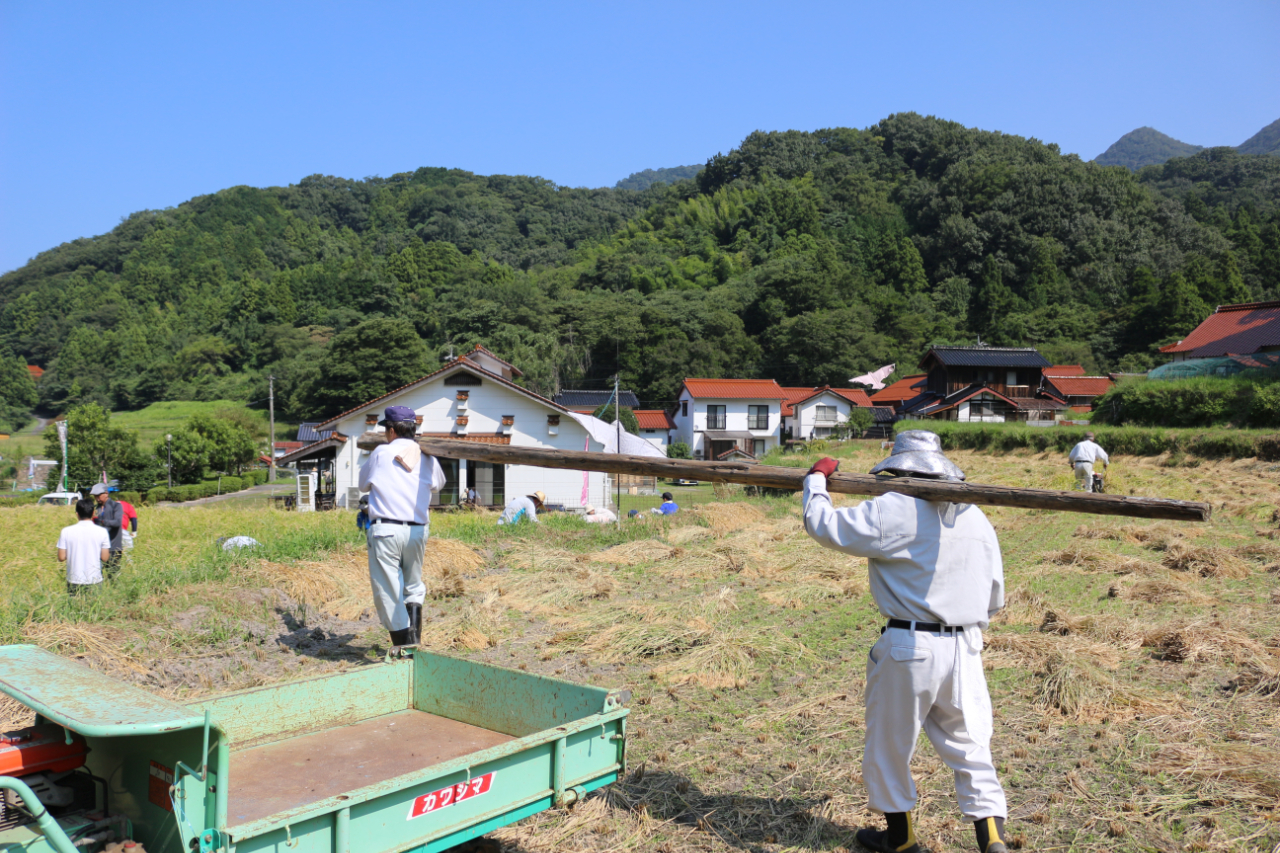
1087,451
927,562
395,493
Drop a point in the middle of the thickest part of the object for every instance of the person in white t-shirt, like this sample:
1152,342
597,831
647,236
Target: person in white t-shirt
84,547
1083,457
400,479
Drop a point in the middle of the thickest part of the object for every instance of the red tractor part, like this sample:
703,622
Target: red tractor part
40,748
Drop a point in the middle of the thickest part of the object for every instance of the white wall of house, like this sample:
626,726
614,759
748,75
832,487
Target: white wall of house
659,438
814,418
971,411
485,408
691,420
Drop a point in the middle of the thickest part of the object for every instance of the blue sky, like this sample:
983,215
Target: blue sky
111,108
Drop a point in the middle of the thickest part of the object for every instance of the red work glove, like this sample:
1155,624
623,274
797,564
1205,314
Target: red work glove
826,466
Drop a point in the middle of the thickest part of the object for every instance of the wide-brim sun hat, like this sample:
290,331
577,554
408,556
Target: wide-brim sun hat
588,509
540,497
918,452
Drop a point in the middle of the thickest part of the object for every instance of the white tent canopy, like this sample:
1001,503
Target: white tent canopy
608,435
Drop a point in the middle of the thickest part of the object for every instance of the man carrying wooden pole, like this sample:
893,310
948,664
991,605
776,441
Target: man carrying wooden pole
936,574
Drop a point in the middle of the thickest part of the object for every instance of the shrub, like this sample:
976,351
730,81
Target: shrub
159,493
131,497
230,484
1127,440
679,450
860,420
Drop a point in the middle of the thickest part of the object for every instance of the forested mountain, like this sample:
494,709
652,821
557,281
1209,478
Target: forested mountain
805,257
649,177
1145,146
1265,141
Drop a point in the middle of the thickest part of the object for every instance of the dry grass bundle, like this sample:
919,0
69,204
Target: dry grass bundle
101,646
685,535
839,704
552,593
1071,687
338,586
635,553
1205,561
1196,642
450,558
534,556
1022,607
473,627
1035,651
1163,591
1096,560
794,596
727,517
1263,552
724,656
647,639
1256,769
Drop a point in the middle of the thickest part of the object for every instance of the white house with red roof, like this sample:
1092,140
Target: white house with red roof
655,426
472,398
824,409
713,416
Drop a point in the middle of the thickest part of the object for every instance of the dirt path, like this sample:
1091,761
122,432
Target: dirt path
264,490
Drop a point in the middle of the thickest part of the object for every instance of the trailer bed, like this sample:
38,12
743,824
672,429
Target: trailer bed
281,777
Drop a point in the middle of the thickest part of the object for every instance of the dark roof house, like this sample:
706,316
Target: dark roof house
592,400
982,383
308,433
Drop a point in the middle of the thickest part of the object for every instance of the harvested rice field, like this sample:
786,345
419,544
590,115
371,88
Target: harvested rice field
1135,672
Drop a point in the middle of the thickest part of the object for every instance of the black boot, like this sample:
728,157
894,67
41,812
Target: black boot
403,637
990,831
415,623
900,837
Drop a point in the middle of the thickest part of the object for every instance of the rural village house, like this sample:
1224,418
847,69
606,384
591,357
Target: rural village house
821,410
714,416
472,398
983,384
1243,329
656,427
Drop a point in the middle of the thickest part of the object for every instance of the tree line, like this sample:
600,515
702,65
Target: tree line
803,257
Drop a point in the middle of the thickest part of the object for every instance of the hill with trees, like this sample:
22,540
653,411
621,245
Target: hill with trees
647,178
1145,146
804,257
1265,141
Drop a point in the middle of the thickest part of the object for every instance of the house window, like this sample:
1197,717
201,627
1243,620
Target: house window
715,417
757,417
757,447
825,414
684,408
462,378
1011,378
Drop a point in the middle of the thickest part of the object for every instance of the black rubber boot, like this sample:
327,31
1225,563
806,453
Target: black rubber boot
415,623
403,637
900,837
990,832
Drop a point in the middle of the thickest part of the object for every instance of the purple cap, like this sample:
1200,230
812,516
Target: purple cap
398,413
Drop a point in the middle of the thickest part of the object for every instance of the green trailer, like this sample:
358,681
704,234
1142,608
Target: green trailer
421,754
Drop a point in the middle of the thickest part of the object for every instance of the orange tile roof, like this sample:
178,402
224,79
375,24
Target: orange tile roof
35,370
735,389
653,419
854,395
1081,386
1064,370
899,391
795,395
479,439
1233,330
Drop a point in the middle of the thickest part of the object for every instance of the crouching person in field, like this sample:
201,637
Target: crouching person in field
936,574
400,479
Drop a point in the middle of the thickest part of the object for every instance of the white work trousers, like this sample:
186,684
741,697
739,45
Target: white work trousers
395,570
935,680
1084,476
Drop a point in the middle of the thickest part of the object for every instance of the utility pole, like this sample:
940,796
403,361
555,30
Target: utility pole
271,409
617,422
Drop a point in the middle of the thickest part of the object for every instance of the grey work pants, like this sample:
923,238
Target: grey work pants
395,570
1084,476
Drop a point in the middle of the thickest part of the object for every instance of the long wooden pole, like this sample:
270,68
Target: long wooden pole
792,479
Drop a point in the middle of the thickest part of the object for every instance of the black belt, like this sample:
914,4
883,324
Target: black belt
393,521
927,627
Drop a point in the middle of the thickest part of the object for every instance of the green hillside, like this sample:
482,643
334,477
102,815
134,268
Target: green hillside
1145,146
805,257
1265,141
647,178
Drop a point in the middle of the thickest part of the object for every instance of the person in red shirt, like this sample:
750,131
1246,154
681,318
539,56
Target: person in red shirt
130,517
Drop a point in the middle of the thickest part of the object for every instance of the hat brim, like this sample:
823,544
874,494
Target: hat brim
923,463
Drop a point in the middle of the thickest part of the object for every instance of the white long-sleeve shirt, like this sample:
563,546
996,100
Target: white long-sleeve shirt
395,493
928,562
1087,451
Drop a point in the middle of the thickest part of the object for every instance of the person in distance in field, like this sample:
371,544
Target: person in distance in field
523,507
84,547
1083,457
936,575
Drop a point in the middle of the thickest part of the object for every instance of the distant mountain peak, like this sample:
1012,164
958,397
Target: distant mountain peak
1145,146
644,179
1265,141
